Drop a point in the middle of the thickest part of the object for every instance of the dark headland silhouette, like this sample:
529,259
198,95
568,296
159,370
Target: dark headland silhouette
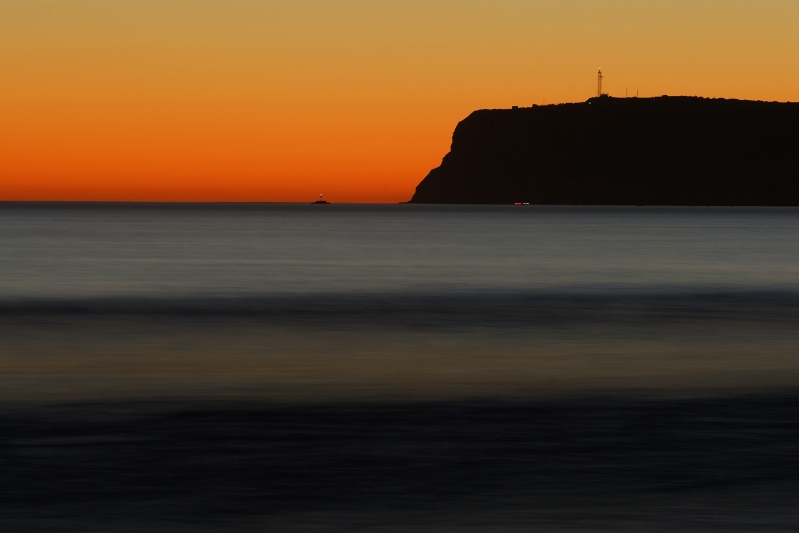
623,151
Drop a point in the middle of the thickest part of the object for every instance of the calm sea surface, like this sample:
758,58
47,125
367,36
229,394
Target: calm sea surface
398,368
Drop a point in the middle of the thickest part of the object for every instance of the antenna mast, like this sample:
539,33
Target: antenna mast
599,83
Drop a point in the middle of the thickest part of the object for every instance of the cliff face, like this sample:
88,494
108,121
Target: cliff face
628,151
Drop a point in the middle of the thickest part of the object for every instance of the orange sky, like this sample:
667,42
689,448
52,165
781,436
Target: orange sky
272,100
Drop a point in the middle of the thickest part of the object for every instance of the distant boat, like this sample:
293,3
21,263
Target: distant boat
321,200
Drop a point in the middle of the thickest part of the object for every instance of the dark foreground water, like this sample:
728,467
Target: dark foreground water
398,368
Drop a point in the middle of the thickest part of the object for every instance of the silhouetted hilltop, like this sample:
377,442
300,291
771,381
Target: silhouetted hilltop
623,151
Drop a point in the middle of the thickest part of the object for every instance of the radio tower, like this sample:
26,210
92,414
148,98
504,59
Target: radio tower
599,83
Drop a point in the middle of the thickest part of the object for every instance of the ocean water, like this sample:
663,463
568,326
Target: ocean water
274,367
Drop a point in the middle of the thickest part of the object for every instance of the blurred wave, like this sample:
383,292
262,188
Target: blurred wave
593,463
435,309
398,368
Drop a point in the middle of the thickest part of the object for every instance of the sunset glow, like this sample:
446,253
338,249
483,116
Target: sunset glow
245,100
